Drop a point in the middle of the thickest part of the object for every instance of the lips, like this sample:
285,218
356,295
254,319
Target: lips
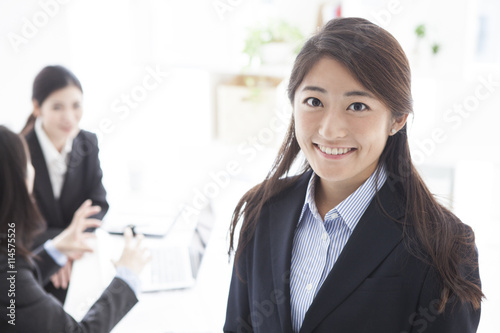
334,151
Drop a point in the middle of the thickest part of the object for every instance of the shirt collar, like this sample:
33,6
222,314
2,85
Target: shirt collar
309,202
49,150
353,207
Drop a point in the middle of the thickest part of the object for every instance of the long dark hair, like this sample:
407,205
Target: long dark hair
432,232
17,207
50,79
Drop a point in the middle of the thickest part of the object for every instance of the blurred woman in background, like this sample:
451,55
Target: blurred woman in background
65,159
26,307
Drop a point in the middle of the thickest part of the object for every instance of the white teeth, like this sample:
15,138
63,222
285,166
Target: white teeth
334,151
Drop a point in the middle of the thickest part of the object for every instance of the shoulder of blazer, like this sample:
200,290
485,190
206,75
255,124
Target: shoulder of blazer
84,147
298,185
89,136
85,142
287,200
30,136
42,186
390,200
34,145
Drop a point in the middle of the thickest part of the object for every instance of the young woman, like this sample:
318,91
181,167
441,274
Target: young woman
355,242
65,158
26,307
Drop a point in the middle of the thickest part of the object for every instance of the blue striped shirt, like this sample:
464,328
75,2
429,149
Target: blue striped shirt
317,244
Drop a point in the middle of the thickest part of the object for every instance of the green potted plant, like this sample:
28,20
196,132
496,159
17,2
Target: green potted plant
274,43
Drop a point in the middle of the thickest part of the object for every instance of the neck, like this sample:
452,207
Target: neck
58,143
329,194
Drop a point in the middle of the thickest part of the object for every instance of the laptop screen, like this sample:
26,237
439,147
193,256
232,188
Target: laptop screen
201,235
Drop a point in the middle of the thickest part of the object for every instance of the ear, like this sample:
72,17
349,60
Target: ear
36,108
398,124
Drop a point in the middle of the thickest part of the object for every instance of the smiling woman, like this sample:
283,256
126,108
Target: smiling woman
342,130
355,242
65,158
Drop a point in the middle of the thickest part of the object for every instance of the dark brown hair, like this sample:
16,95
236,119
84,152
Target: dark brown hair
377,61
50,79
17,207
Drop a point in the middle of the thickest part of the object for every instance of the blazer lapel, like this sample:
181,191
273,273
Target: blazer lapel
73,172
283,217
372,240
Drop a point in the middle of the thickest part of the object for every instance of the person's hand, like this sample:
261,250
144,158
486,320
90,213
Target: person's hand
62,277
72,240
134,256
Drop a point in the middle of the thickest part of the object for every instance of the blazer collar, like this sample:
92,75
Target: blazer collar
372,240
80,149
284,214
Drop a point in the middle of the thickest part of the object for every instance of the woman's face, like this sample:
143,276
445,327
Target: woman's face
61,112
340,126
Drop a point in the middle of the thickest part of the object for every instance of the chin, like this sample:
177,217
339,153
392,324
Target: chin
333,175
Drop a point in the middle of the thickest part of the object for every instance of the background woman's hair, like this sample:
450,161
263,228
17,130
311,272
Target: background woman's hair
50,79
16,203
375,58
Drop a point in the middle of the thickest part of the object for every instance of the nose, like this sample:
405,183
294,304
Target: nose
333,123
69,115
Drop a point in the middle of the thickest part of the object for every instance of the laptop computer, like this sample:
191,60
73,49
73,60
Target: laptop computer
94,271
173,266
176,267
150,225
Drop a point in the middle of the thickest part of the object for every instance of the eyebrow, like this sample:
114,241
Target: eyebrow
359,93
347,94
314,88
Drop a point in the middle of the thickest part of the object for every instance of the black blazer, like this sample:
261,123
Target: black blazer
83,180
375,286
37,311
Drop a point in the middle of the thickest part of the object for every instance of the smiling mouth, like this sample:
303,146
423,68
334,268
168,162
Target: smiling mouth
334,151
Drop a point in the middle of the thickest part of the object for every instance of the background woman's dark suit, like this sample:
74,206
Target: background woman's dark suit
37,311
375,286
83,180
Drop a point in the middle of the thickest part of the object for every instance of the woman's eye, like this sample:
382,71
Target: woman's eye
358,107
314,102
57,107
